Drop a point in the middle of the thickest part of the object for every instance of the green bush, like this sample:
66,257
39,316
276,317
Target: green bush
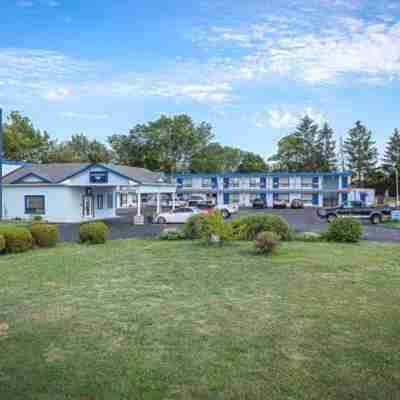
345,230
171,234
308,237
195,227
38,218
2,243
215,230
18,239
45,235
267,242
248,228
93,232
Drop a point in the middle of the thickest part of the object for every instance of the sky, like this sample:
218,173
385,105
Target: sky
251,68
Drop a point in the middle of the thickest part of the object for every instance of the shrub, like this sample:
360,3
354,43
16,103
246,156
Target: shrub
45,235
18,239
345,230
171,234
93,232
195,227
215,230
2,243
249,227
267,242
38,218
308,237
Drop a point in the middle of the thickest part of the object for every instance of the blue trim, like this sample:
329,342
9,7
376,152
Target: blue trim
315,199
21,178
275,182
263,182
226,183
259,174
11,162
226,198
315,182
345,182
84,169
36,196
345,198
214,182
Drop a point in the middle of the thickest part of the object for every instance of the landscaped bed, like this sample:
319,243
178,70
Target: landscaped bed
178,320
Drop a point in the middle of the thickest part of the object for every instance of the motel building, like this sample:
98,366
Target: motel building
76,192
313,188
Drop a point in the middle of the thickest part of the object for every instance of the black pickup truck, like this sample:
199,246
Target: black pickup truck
356,209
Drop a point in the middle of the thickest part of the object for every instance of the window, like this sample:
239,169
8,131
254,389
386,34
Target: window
284,182
110,200
306,182
206,182
98,177
254,182
235,182
234,198
187,182
100,201
123,200
307,198
34,205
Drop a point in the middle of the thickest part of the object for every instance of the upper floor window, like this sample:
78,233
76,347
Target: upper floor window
284,182
34,205
187,182
206,182
254,182
98,177
307,182
235,182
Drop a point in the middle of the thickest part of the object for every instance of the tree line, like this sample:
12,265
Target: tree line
176,143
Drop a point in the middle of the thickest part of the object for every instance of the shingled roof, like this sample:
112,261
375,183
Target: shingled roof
58,172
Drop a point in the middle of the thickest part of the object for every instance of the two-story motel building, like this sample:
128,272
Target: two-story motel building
314,188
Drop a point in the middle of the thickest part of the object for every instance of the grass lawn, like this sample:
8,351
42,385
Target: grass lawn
176,320
392,224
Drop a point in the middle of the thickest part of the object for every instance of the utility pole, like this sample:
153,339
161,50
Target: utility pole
397,187
1,164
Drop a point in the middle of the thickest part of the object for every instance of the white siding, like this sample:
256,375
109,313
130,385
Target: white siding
62,204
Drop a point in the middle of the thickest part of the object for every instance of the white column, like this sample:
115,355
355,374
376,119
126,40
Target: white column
139,203
158,203
173,201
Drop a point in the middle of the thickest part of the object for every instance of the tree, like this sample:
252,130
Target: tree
252,162
23,142
80,149
167,143
215,158
326,149
290,154
361,152
391,159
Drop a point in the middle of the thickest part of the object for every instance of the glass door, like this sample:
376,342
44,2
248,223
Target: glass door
88,209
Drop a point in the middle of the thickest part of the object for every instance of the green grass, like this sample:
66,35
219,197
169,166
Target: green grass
177,320
392,224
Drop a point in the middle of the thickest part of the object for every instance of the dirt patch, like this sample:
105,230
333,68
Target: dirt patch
4,327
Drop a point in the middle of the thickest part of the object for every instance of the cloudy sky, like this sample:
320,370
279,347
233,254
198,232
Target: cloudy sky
251,68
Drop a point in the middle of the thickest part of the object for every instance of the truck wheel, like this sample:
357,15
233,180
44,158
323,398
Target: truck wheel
331,217
376,219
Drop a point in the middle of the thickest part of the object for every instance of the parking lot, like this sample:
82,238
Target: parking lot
302,221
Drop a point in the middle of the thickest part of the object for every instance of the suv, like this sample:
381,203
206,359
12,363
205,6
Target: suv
356,209
297,204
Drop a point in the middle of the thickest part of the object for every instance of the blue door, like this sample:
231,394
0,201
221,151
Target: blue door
276,183
263,182
315,182
315,199
179,182
345,198
214,182
345,182
263,197
226,198
226,183
275,196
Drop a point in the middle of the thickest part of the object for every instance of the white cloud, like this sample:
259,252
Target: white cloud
71,114
286,117
56,94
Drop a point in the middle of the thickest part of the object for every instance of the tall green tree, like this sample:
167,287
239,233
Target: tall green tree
391,158
215,158
251,162
326,149
361,152
167,143
307,132
23,142
80,149
290,154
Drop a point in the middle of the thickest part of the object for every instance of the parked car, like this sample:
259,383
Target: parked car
356,209
259,203
297,204
177,216
280,204
227,210
208,206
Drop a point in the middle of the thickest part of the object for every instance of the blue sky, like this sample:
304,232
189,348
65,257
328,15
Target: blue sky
251,68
